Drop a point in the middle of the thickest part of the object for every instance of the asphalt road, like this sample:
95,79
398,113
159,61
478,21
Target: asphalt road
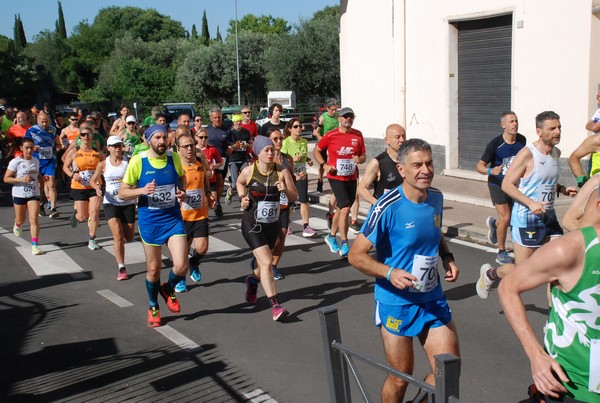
71,332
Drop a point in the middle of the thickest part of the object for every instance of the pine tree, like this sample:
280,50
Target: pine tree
205,38
218,36
61,28
194,32
19,33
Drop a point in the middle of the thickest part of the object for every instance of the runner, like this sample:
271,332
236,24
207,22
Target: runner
259,187
80,164
194,209
285,161
214,159
156,176
297,147
119,213
23,173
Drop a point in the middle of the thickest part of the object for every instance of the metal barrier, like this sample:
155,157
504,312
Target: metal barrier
339,358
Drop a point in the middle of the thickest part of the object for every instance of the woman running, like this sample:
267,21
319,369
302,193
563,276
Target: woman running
119,213
80,164
259,187
23,173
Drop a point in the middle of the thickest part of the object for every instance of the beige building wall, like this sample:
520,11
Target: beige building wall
399,64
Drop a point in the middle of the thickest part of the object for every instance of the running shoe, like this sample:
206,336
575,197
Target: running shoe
73,220
54,214
48,205
334,247
319,186
92,245
251,290
344,250
329,219
42,212
219,211
17,230
195,274
279,312
484,283
503,258
308,232
153,317
181,286
289,231
171,300
355,227
277,275
122,274
35,250
229,196
490,222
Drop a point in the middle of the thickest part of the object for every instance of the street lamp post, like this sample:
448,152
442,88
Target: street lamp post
237,56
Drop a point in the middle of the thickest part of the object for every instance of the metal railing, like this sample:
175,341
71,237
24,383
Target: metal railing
339,359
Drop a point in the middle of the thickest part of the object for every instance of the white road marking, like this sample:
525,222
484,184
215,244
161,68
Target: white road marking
258,396
115,299
216,245
134,251
178,338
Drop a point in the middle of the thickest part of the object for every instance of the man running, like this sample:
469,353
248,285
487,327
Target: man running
409,301
157,178
499,154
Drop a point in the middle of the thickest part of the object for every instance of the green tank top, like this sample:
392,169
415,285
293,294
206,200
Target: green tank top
572,333
330,123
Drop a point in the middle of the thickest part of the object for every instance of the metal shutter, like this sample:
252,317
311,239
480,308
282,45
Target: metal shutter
484,84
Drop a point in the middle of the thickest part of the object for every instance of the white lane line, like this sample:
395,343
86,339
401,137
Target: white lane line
53,261
134,251
115,299
258,396
216,245
178,338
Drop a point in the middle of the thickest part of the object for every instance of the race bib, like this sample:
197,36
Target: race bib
45,153
283,200
112,189
86,177
29,190
506,164
162,198
345,167
193,199
267,211
546,193
299,168
424,268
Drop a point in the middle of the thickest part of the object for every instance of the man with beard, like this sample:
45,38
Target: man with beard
533,218
157,178
46,142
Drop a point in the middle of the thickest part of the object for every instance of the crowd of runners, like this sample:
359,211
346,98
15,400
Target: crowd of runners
171,179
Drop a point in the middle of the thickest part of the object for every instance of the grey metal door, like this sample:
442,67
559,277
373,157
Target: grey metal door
484,83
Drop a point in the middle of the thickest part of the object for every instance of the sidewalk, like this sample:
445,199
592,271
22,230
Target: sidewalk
466,204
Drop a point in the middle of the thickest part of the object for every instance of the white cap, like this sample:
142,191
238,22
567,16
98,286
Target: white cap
130,118
112,140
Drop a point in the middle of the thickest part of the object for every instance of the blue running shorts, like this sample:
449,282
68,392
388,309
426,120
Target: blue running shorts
412,320
158,235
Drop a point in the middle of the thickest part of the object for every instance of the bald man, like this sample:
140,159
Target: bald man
382,171
17,131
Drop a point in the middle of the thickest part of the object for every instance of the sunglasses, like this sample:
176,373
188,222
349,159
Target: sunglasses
277,139
349,116
198,120
246,113
73,120
187,146
296,126
117,145
202,137
85,134
130,123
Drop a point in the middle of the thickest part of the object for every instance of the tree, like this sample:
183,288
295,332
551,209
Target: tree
308,61
20,83
205,38
194,32
265,24
61,28
218,37
46,54
19,34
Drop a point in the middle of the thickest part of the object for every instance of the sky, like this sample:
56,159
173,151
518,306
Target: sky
38,15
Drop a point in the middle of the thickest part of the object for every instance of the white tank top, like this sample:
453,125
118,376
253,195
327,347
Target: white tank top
22,167
540,186
114,176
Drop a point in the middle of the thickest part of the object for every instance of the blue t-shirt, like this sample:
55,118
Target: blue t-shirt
498,152
407,236
44,139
